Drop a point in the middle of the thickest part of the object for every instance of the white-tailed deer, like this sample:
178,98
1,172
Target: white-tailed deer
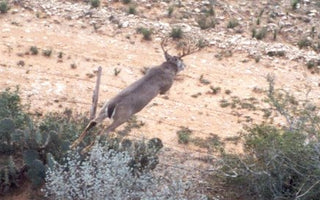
136,96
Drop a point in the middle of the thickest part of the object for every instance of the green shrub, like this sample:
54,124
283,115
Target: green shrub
258,21
203,80
206,22
132,9
304,42
294,4
202,43
260,34
278,162
116,71
215,90
176,33
233,23
95,3
316,46
211,143
34,50
126,1
4,6
184,135
170,11
47,52
145,32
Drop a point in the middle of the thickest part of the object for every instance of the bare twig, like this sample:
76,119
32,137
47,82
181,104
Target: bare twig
308,190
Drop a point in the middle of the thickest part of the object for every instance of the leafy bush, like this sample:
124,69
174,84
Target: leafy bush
206,22
260,34
126,1
304,42
95,3
233,23
184,135
176,33
132,9
34,50
278,162
106,174
4,7
47,52
294,4
145,32
170,11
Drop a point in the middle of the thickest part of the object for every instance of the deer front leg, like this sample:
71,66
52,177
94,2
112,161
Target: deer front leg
83,134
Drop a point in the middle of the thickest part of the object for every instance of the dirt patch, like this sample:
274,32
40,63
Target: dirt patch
66,79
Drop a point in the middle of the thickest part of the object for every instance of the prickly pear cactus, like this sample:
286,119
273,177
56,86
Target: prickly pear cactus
6,128
36,173
29,156
8,176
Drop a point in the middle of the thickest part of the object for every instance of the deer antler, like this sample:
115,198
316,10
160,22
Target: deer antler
189,49
163,42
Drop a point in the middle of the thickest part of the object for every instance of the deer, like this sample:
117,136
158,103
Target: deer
131,100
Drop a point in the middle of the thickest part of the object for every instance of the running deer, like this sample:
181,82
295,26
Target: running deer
157,80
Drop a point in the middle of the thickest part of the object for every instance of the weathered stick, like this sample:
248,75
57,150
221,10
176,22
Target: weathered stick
95,95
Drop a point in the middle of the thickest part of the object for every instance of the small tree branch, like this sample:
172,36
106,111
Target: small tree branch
95,96
308,190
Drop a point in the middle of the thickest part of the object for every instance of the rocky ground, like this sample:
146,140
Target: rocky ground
233,64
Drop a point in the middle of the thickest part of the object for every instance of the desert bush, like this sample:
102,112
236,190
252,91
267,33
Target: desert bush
34,50
106,174
304,42
47,52
278,162
176,33
294,4
132,9
4,6
126,1
233,23
146,32
259,34
184,135
95,3
206,22
170,11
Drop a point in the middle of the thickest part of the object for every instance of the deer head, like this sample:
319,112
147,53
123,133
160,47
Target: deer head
177,60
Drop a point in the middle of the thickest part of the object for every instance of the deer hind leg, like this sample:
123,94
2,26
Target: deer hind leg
88,147
91,124
119,116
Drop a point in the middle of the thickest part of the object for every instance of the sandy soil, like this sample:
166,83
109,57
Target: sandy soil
50,83
54,84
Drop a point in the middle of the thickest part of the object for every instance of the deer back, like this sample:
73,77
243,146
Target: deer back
137,95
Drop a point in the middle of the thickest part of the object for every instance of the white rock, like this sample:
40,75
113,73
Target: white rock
125,24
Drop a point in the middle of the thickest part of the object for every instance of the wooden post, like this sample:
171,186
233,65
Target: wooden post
95,95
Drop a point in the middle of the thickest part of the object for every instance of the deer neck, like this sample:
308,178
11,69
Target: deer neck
170,67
